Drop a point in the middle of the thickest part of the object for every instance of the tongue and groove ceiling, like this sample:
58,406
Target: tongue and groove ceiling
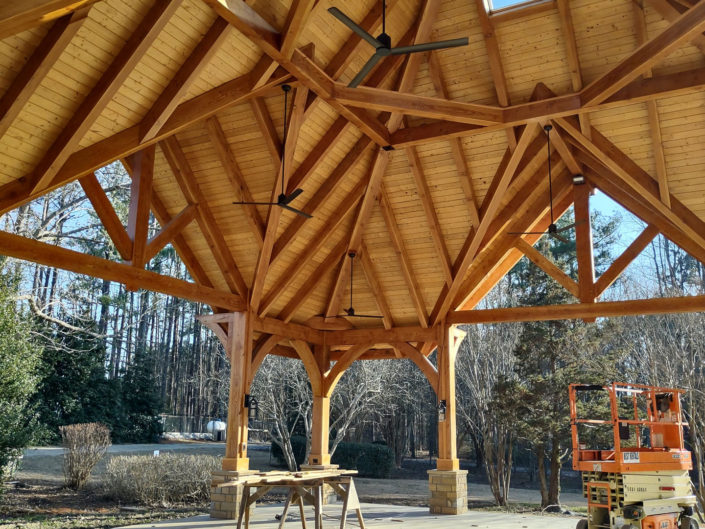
422,171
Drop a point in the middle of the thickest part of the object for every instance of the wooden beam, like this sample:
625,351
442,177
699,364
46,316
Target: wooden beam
632,176
259,353
312,248
682,30
295,23
20,15
349,162
456,145
670,13
379,165
237,181
306,289
125,143
39,63
55,256
422,106
169,231
421,360
605,180
178,87
288,330
102,93
206,220
605,309
106,213
140,204
274,213
368,268
315,376
583,243
548,266
618,266
430,211
267,128
380,335
341,365
504,174
403,257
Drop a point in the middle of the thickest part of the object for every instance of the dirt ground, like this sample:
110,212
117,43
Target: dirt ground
37,498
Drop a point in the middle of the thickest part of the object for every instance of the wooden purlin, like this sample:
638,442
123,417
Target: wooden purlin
100,95
178,87
237,181
206,221
38,65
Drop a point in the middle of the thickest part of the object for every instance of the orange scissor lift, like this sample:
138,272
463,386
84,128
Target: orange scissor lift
641,480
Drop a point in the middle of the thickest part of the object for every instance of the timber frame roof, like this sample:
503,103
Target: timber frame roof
423,171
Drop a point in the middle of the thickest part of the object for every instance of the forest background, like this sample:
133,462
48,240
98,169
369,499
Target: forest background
76,349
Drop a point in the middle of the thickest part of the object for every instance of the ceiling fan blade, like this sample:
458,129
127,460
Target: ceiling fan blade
291,196
527,233
430,46
365,70
559,237
297,211
337,13
570,226
362,316
257,203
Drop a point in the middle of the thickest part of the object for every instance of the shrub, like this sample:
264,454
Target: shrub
84,445
369,459
298,446
161,480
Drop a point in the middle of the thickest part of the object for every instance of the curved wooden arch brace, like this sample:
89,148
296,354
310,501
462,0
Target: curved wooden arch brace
333,376
423,363
307,357
260,354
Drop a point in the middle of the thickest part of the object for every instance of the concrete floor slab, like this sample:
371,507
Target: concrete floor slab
377,516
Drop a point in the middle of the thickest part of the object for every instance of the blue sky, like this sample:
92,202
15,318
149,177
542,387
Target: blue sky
499,4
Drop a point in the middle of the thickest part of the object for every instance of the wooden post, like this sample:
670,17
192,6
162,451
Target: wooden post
235,333
319,456
447,448
448,484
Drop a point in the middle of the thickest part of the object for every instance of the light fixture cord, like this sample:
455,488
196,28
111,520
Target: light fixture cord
384,16
351,280
286,100
550,183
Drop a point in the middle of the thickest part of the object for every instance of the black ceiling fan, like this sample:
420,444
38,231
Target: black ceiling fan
350,311
283,200
553,230
383,43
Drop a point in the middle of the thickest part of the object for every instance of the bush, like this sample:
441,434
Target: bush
371,460
161,480
298,446
84,445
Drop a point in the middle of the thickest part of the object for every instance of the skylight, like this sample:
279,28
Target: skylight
496,5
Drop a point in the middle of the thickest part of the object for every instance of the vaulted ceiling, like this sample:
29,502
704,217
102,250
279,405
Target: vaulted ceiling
425,171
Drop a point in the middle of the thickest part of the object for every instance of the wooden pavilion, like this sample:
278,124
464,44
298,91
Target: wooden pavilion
425,171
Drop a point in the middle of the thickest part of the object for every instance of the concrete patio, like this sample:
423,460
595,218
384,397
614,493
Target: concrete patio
378,516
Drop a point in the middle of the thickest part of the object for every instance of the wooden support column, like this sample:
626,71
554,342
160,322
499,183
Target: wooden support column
448,484
235,333
320,425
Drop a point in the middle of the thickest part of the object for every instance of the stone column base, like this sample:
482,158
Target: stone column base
226,495
449,491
